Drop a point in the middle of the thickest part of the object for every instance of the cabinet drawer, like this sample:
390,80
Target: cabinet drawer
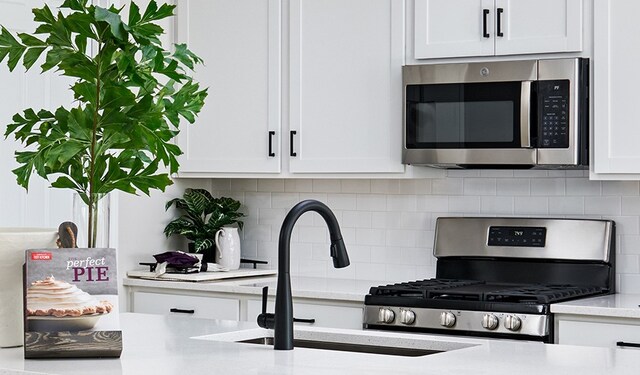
597,334
324,315
197,307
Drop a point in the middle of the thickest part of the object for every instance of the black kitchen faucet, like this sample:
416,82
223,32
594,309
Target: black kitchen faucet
282,320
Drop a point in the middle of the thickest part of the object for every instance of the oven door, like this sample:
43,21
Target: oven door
470,120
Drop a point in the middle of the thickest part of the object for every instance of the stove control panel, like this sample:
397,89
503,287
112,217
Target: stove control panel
517,236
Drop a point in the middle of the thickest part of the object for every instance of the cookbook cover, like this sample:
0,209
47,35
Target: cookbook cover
71,304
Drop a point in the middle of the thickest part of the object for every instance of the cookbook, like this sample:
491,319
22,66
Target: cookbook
71,304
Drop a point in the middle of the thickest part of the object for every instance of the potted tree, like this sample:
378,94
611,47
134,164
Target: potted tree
203,216
130,95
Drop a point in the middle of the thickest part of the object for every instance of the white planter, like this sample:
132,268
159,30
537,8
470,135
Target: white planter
13,243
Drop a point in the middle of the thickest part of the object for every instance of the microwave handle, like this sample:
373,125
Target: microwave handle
525,114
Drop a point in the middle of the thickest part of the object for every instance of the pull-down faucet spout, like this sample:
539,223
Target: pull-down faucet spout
282,320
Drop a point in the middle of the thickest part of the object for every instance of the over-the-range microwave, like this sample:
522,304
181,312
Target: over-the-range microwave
506,114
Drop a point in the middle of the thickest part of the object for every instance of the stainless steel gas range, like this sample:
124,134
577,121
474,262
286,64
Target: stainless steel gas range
496,277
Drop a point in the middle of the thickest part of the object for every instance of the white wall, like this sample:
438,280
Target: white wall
388,225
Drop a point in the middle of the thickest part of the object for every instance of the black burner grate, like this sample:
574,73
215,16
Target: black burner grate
473,290
542,293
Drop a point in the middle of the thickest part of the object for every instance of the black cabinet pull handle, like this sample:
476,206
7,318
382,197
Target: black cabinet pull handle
182,311
271,134
485,14
627,344
298,320
499,22
291,135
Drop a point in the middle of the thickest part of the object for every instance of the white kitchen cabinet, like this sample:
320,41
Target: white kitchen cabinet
238,130
332,315
457,28
345,84
615,151
193,306
597,331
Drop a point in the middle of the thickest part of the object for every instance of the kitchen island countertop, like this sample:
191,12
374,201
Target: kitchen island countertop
156,344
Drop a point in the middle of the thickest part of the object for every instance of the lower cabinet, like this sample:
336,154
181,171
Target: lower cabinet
323,315
194,306
245,307
598,331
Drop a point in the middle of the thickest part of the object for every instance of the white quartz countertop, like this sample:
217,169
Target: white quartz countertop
304,287
613,305
156,344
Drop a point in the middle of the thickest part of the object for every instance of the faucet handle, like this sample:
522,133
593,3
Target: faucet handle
266,320
265,292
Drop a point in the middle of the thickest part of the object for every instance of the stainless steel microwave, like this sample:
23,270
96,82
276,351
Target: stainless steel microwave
507,114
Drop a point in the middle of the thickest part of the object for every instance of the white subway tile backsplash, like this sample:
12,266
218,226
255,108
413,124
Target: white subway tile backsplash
602,206
566,205
402,203
513,186
479,186
464,204
548,186
326,186
342,201
582,186
271,185
371,202
626,188
447,186
385,186
388,225
497,205
298,186
355,186
531,205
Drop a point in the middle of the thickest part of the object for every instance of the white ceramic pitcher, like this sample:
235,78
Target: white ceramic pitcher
13,243
228,243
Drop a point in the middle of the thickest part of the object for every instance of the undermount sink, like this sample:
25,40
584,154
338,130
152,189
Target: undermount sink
353,341
345,347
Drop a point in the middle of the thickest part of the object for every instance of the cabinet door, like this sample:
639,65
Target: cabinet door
453,28
346,86
193,306
598,334
615,89
324,315
240,44
540,26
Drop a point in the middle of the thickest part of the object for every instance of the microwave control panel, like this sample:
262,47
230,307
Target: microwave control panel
553,107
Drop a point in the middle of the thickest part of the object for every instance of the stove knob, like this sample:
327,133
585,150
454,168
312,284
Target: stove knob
407,317
447,319
512,323
490,321
386,315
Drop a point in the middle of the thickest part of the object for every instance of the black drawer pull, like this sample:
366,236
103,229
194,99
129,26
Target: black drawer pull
291,135
499,23
485,13
298,320
182,311
271,134
627,344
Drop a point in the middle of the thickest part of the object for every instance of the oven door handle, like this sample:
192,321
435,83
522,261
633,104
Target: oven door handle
525,114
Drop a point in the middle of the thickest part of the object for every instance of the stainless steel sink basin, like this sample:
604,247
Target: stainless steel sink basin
347,347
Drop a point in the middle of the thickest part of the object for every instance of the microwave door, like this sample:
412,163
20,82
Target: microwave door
467,124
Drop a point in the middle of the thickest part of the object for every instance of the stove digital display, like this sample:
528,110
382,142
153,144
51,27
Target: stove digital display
517,236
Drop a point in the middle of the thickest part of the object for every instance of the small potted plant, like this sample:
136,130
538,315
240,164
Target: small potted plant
203,216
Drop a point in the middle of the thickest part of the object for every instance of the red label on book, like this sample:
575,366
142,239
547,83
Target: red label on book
41,256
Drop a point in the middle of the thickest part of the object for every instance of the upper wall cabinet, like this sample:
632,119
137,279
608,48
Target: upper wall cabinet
616,154
457,28
238,130
345,86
